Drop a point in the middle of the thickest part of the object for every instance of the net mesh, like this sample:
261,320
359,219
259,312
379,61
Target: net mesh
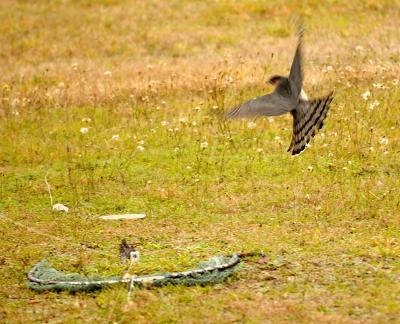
44,277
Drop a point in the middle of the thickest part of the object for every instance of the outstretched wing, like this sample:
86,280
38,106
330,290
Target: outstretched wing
272,104
308,117
296,70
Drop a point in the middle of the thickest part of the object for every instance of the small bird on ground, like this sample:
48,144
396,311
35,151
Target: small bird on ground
289,97
128,251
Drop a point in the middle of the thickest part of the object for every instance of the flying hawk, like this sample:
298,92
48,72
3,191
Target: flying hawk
289,97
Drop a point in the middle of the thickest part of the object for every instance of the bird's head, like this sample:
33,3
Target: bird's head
275,80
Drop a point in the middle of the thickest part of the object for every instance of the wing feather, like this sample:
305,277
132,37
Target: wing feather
296,70
272,104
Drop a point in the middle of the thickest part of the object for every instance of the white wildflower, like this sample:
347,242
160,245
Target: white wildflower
115,137
164,123
197,108
251,125
61,84
366,95
204,145
374,104
215,107
74,66
60,207
310,168
395,81
383,141
176,149
183,120
277,138
84,130
140,148
359,48
260,150
15,112
371,148
344,168
108,73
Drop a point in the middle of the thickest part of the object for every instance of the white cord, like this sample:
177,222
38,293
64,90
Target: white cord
48,189
134,257
131,286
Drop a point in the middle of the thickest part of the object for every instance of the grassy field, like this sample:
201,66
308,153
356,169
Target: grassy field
149,80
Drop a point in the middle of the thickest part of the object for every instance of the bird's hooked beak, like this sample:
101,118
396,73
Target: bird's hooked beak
275,79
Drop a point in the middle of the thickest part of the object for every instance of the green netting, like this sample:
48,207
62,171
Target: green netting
43,277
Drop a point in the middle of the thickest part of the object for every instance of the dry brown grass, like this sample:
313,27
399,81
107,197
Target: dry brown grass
331,234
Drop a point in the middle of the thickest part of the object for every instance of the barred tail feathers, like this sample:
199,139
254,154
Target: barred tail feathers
306,125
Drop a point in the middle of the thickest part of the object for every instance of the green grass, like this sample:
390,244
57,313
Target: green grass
328,220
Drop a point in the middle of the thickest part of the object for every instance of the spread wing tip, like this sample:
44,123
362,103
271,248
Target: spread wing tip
232,113
300,32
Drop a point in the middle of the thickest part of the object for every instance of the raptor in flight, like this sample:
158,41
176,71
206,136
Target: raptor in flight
289,97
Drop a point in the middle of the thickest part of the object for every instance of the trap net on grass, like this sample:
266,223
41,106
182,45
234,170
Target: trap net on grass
44,277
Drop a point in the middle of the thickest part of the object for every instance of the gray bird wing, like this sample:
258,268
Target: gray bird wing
308,117
296,70
272,104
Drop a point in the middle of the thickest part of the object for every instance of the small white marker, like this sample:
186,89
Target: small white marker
60,207
123,216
